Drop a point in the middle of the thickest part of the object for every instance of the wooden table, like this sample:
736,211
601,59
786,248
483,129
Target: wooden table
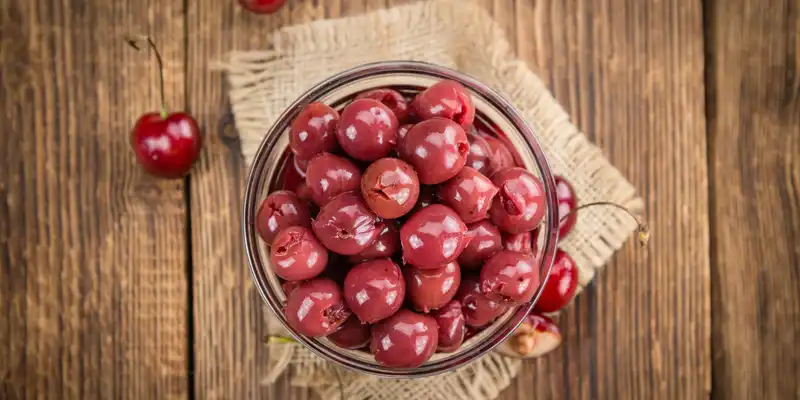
117,285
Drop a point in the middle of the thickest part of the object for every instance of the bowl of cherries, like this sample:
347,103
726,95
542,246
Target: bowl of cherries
400,219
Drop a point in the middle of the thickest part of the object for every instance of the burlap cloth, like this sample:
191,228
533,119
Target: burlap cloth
460,35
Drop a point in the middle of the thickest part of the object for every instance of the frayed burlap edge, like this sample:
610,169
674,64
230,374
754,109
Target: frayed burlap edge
482,379
456,34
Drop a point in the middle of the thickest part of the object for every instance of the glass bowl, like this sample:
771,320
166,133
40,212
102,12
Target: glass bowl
406,76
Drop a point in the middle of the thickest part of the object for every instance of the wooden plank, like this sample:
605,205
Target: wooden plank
229,323
754,127
92,269
630,73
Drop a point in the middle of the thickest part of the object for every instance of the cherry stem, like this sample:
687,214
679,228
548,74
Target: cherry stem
279,340
643,230
133,41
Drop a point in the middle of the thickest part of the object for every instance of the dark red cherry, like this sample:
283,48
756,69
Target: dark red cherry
430,289
436,148
432,237
386,245
167,145
390,187
478,309
402,131
560,286
367,130
486,241
316,308
519,205
351,335
297,255
470,194
479,156
500,156
280,210
404,340
314,131
390,98
262,6
374,290
303,192
452,329
519,242
510,277
446,99
566,203
346,225
329,175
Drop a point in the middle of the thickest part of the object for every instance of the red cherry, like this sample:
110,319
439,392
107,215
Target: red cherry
262,6
166,145
566,203
560,286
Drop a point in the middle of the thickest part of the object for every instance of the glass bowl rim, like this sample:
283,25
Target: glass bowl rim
354,74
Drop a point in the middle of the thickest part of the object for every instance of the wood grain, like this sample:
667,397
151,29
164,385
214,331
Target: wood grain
92,267
754,136
630,73
229,315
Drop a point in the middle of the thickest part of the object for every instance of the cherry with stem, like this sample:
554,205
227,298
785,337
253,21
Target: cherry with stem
166,144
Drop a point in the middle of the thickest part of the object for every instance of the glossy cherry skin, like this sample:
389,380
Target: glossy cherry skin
390,98
432,237
346,225
316,308
519,242
446,99
437,149
280,210
386,245
485,241
404,340
329,175
479,156
519,205
374,290
452,329
478,309
262,6
390,187
560,286
297,255
470,194
351,335
313,131
430,289
166,147
367,130
500,156
566,203
304,192
402,131
510,277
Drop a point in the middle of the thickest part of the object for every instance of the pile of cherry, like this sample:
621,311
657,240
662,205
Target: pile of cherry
425,227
